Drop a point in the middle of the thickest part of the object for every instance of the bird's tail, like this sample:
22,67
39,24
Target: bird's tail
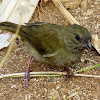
8,26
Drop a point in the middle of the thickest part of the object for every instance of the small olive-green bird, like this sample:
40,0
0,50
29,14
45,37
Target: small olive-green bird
53,44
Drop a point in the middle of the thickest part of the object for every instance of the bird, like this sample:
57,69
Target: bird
57,45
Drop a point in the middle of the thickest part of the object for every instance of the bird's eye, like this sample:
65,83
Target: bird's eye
78,37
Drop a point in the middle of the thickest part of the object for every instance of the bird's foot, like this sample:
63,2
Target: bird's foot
70,74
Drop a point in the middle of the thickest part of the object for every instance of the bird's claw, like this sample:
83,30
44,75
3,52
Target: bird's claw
70,74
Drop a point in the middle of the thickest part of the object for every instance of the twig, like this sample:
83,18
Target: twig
67,15
45,74
90,60
88,68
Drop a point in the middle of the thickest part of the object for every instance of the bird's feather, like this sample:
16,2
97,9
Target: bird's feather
43,38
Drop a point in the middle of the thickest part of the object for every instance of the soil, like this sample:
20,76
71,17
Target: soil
53,88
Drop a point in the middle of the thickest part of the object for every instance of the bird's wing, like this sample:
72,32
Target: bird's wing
44,38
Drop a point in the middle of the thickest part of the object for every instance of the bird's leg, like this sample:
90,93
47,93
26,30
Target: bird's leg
70,74
27,72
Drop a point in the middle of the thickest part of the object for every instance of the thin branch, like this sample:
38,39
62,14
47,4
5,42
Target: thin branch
45,74
88,68
67,15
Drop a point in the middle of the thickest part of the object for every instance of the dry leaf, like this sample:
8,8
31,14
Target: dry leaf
96,42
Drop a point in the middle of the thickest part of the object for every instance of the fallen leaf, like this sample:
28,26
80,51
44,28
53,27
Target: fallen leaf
96,43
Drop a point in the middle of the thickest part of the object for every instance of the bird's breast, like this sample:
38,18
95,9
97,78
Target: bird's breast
64,58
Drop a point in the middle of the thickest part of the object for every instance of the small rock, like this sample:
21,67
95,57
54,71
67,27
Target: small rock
85,17
84,4
54,94
58,86
82,60
64,97
89,13
45,90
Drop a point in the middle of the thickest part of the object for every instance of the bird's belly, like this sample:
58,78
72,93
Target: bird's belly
61,59
64,59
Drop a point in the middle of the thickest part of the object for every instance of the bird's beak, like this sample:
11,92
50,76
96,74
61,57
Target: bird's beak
87,45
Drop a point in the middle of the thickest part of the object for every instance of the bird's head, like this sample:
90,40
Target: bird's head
77,38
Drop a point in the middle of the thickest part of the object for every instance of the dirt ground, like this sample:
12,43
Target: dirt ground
53,88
